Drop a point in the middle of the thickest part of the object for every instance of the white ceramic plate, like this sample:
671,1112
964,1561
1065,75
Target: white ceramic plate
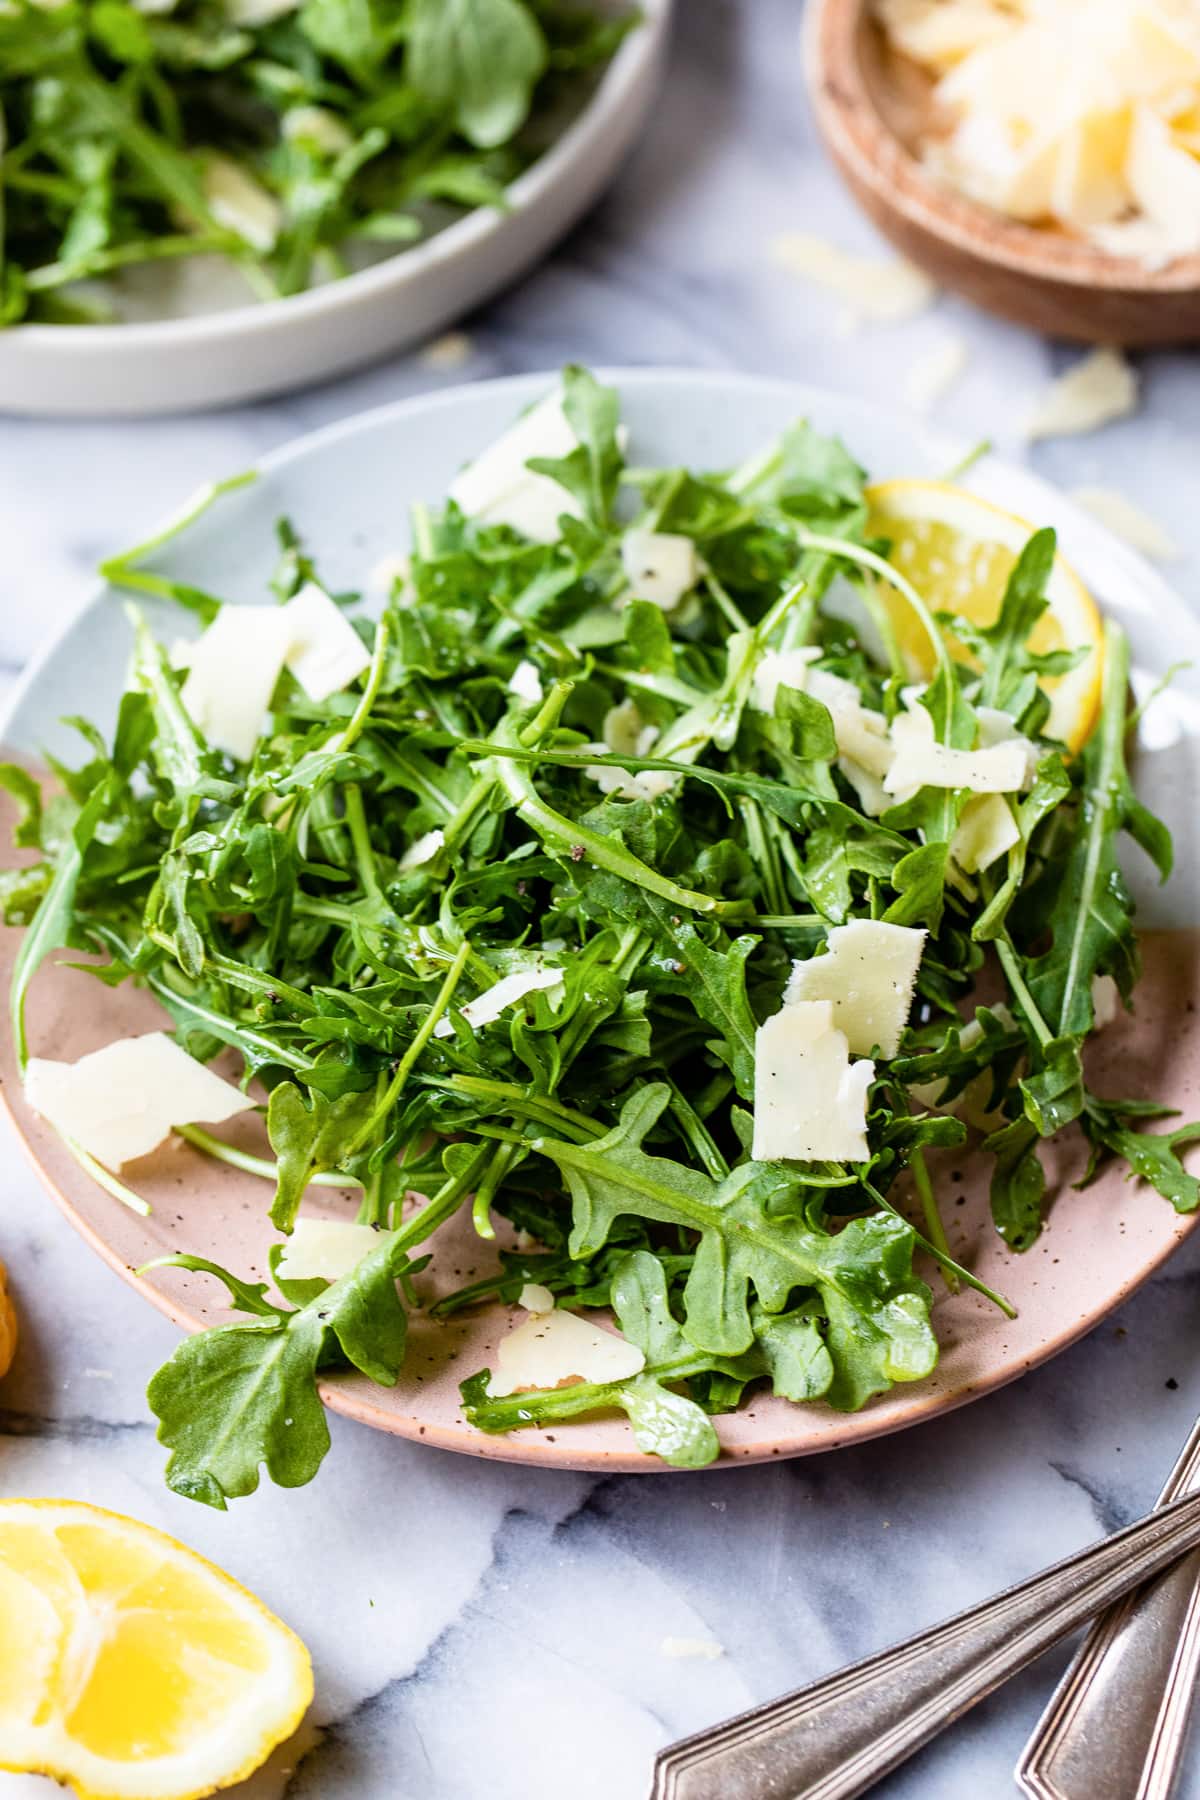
346,488
219,358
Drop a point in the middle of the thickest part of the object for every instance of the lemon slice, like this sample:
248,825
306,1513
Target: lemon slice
958,552
129,1666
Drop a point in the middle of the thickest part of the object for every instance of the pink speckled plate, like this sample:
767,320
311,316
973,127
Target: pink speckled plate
342,486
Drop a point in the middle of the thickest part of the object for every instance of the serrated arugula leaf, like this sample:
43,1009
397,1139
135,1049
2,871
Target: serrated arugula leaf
241,1397
1089,916
877,1311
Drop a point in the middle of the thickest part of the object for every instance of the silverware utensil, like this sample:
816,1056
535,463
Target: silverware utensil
838,1737
1116,1726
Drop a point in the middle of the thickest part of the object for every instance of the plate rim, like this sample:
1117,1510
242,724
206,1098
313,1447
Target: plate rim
345,1395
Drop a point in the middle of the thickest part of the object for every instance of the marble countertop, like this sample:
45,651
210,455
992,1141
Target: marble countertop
489,1633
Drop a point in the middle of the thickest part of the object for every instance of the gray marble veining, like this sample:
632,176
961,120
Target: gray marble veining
485,1633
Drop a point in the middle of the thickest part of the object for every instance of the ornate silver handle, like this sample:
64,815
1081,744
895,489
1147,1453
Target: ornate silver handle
1116,1726
836,1738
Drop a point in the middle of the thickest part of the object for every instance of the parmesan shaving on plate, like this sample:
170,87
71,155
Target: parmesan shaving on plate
450,351
498,488
232,673
1128,521
781,668
660,566
324,652
423,849
1095,391
987,830
932,376
325,1249
868,974
689,1649
495,1001
525,684
552,1347
1106,1000
240,203
921,761
810,1101
1076,112
883,291
535,1298
119,1103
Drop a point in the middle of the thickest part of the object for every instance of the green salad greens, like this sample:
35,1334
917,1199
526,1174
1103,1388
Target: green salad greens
295,138
644,816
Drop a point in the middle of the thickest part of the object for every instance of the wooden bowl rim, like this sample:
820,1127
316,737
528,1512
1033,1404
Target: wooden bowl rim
860,137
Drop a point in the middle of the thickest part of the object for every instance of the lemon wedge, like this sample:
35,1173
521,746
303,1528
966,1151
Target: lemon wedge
129,1666
958,552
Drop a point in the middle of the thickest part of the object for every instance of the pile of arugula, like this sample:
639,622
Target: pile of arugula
290,136
269,907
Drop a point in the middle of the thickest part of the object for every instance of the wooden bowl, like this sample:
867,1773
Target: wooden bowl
874,107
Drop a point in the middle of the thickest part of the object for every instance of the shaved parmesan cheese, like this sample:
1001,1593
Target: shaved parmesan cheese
551,1348
121,1102
525,684
861,733
1106,1001
934,374
325,1249
423,849
881,291
240,203
316,125
780,668
498,489
868,974
810,1101
972,1102
388,576
627,734
986,830
494,1001
535,1298
450,351
1087,124
1096,390
1128,521
232,674
681,1649
325,653
660,566
921,761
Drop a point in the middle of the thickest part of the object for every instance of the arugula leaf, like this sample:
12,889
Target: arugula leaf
878,1325
480,59
309,1136
244,1396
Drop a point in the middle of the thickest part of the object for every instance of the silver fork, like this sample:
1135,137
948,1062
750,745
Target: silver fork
838,1737
1116,1727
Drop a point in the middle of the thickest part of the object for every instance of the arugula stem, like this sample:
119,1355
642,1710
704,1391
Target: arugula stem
878,565
370,693
1010,963
933,1218
505,1159
255,1165
405,1066
697,1133
103,1178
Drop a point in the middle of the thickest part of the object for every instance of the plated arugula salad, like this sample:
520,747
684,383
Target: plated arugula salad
291,140
628,882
